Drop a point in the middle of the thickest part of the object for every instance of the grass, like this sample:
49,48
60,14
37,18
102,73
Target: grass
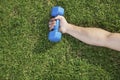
26,53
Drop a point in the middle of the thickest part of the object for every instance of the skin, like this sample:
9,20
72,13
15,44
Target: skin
92,36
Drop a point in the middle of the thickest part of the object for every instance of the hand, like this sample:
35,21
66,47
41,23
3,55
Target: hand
63,23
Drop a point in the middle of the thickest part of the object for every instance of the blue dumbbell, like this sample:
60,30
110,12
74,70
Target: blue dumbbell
55,35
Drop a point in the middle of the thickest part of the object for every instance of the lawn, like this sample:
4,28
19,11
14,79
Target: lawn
27,54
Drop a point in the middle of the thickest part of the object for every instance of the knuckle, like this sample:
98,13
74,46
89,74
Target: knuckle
61,17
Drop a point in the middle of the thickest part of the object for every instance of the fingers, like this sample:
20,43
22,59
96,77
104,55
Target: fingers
52,21
51,24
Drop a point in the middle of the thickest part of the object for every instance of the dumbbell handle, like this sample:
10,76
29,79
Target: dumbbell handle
57,25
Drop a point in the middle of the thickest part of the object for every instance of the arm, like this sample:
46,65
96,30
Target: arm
95,36
92,36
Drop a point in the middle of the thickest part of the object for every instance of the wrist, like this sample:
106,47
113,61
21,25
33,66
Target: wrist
68,28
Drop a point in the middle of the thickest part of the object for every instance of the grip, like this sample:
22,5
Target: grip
57,25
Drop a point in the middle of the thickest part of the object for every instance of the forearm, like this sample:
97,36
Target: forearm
93,36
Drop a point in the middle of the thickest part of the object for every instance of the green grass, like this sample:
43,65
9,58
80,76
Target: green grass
26,53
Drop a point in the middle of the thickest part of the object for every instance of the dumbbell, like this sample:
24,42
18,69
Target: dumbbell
55,35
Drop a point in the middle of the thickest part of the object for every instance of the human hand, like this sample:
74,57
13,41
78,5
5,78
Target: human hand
63,23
